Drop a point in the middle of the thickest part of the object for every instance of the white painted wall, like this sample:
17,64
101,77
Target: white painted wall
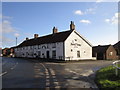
65,50
31,50
85,49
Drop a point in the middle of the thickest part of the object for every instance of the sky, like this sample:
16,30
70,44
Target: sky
96,21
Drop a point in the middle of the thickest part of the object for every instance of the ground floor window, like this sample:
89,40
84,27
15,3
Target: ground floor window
39,53
78,54
54,53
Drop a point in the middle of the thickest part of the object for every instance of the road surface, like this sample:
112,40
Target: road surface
25,73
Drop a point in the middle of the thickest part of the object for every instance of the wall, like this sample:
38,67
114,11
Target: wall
113,56
33,51
75,43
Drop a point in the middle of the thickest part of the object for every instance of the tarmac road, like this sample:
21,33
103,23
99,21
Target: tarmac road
25,73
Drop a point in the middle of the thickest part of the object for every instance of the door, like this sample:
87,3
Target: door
47,54
100,56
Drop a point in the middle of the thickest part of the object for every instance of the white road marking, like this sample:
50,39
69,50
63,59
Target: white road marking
55,81
3,73
14,66
47,77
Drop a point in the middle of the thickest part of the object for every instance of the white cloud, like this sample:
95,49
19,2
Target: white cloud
98,1
87,11
6,41
79,12
85,21
5,17
16,34
7,27
90,11
107,20
114,19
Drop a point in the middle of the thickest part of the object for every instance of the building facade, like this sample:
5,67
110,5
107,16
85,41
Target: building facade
104,52
67,45
117,48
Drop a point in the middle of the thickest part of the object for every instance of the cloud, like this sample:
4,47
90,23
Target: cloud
6,41
98,1
90,11
5,17
7,27
78,12
16,34
107,20
85,21
114,19
87,11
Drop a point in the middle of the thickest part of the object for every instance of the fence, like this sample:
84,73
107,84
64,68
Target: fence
115,64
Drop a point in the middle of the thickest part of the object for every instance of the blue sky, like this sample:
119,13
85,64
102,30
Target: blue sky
97,22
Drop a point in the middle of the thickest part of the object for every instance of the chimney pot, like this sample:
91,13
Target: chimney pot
72,26
27,38
35,35
55,30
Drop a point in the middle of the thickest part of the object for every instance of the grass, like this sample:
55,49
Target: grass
106,78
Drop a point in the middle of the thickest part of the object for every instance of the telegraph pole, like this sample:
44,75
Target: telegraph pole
16,41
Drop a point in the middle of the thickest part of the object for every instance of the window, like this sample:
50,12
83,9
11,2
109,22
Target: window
47,45
84,52
39,53
78,53
111,53
44,47
54,53
71,50
34,47
54,45
75,39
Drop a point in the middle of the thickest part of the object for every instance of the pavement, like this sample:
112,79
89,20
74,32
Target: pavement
25,73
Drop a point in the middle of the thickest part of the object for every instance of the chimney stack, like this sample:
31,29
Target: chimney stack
72,26
55,30
27,38
35,35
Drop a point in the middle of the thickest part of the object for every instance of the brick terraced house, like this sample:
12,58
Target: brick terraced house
104,52
66,45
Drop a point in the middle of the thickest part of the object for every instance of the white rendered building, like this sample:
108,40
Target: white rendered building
67,45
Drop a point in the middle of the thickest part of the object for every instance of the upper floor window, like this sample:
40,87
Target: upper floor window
54,45
44,47
75,39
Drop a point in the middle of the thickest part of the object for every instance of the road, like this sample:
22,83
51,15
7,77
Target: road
25,73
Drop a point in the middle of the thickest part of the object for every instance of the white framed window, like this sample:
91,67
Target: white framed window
54,53
78,54
54,45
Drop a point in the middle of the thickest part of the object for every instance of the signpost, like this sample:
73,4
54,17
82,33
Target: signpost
115,64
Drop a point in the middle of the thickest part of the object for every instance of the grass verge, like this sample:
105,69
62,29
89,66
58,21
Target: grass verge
106,78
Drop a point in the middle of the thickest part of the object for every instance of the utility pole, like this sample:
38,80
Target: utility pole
16,41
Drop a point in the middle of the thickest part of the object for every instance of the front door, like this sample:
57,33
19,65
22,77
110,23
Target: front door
47,54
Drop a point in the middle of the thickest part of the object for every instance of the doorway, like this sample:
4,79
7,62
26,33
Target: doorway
47,54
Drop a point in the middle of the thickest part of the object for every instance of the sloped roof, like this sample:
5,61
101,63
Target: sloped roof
51,38
117,45
100,49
